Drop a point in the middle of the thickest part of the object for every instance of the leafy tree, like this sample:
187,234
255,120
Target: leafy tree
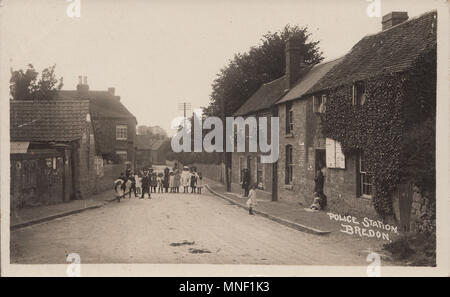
28,85
155,132
246,72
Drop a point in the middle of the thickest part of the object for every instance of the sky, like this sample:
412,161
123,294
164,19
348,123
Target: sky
157,54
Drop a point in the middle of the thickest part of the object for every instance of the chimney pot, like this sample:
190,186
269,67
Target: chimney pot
80,82
111,91
85,80
393,18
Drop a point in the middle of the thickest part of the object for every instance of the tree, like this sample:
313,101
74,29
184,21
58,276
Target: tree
243,75
27,85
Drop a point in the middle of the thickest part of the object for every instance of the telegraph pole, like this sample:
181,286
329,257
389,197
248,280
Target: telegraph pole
184,106
224,153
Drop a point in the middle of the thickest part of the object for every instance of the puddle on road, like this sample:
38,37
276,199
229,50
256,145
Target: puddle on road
199,251
184,242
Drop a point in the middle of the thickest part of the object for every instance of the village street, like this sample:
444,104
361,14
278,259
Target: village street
176,228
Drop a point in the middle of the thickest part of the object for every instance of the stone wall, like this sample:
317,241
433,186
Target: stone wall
215,172
105,181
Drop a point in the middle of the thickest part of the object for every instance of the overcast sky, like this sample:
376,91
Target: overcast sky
159,53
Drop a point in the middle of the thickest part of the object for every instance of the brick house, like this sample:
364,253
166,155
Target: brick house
148,151
52,151
261,104
114,126
382,66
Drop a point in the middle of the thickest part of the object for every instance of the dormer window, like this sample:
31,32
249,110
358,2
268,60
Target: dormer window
319,103
358,93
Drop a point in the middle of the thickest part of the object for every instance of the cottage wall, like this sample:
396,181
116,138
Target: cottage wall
85,164
105,133
241,160
306,139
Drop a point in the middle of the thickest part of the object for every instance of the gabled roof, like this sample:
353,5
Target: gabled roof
392,50
157,144
48,120
307,81
264,97
145,142
102,103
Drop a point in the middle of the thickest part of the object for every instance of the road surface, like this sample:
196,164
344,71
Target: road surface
176,228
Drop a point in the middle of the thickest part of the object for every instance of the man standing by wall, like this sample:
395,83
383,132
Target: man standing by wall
246,181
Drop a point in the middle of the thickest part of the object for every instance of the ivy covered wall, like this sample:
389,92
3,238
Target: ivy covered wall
395,127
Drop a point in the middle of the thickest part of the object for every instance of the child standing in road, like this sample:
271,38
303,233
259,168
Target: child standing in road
251,202
199,183
138,180
193,181
160,183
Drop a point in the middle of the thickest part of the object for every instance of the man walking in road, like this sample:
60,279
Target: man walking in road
146,185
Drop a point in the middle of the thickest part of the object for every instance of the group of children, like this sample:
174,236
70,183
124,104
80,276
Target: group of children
148,181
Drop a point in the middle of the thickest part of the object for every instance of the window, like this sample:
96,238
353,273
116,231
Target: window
365,181
358,94
121,132
319,103
289,118
289,165
259,173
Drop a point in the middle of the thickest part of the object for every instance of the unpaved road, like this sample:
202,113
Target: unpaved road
176,228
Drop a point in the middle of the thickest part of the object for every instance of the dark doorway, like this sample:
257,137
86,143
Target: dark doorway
320,159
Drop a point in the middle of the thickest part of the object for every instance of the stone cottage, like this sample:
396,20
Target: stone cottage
261,104
358,119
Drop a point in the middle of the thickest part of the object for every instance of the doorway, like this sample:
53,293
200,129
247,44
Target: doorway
320,159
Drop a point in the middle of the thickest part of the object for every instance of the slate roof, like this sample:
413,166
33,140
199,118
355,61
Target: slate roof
144,142
307,81
48,120
264,97
392,50
102,103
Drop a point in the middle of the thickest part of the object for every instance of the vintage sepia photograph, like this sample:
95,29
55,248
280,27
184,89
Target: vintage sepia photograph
240,134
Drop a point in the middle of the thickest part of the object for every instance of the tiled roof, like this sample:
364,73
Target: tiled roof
49,120
102,103
392,50
264,97
143,142
305,83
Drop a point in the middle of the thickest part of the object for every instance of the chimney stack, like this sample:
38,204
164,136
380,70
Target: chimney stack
111,91
393,18
82,87
294,61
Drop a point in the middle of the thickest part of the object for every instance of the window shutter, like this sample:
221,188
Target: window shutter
314,103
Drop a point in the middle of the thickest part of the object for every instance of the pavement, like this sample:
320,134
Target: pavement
287,214
38,214
175,229
295,216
